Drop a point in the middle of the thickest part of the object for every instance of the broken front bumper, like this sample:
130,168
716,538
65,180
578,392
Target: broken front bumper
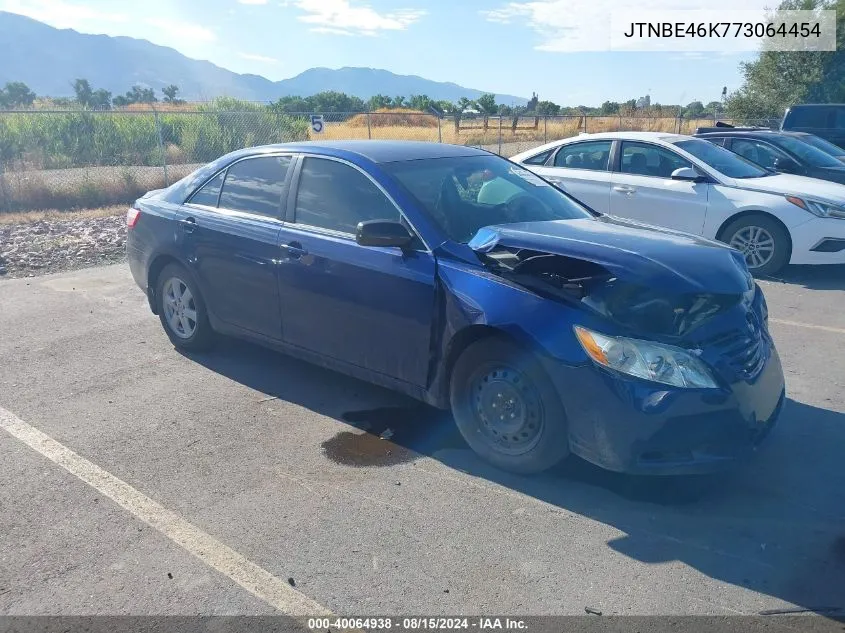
632,426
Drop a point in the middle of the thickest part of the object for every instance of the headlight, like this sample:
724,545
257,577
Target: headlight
820,209
644,359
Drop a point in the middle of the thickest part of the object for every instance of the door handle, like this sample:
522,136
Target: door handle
624,189
189,225
294,250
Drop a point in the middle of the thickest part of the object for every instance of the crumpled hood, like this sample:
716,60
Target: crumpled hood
678,262
792,185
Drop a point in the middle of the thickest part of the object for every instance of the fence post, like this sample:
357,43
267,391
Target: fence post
161,146
545,129
439,132
369,131
500,135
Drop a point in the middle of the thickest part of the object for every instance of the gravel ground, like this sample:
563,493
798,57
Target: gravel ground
46,246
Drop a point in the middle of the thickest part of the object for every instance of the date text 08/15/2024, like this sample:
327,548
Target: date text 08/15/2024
417,623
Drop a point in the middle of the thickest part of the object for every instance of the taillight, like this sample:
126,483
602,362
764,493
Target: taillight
132,216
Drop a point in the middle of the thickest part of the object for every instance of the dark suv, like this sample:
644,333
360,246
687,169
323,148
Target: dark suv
825,120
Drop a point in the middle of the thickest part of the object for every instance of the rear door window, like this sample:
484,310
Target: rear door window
208,194
255,185
593,155
757,152
538,159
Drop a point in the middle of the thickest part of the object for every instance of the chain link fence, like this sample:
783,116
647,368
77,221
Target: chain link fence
85,159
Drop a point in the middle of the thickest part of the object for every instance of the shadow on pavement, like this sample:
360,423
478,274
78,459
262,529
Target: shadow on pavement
776,526
831,277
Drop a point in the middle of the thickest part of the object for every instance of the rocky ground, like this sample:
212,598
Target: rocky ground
49,245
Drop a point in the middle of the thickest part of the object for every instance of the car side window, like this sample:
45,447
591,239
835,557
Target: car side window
592,155
539,159
334,195
809,117
255,185
644,159
209,193
839,119
757,152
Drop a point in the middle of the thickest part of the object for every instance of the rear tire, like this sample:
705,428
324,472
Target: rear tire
181,309
763,240
507,409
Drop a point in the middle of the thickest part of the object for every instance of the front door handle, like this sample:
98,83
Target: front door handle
189,225
294,250
624,189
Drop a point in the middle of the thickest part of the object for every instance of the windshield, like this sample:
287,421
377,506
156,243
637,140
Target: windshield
806,152
825,146
467,193
722,160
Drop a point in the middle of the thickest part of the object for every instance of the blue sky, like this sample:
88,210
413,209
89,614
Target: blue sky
504,46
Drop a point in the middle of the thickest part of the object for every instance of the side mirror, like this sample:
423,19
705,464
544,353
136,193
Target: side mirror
687,173
786,165
383,233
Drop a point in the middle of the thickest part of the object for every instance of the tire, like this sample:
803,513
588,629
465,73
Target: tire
494,375
768,231
192,332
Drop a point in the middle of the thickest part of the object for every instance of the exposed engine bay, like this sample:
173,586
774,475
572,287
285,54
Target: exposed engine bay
635,306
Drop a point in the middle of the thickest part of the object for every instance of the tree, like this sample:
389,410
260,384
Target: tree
334,101
487,103
101,99
532,103
778,79
463,104
84,92
694,110
547,108
398,101
16,94
643,102
420,102
138,94
609,107
713,107
170,93
378,102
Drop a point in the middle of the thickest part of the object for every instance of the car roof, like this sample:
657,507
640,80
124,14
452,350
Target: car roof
375,151
761,133
667,137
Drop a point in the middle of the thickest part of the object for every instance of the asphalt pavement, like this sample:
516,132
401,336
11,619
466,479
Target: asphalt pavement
139,480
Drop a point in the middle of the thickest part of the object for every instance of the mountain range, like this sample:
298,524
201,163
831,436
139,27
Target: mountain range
48,60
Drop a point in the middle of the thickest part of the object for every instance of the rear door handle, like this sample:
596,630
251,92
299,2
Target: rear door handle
624,189
294,250
189,225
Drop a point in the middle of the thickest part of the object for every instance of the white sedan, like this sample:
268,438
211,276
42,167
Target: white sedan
694,186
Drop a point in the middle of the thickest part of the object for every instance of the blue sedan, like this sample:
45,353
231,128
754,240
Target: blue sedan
461,279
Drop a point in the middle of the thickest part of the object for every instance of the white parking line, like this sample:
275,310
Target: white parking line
258,581
825,328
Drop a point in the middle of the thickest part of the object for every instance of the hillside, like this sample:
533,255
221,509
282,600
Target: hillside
49,59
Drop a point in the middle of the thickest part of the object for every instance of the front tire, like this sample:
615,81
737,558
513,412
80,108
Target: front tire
506,408
762,240
181,309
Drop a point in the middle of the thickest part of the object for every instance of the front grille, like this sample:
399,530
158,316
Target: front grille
743,350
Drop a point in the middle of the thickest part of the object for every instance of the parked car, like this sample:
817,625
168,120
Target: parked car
546,330
824,120
783,152
694,186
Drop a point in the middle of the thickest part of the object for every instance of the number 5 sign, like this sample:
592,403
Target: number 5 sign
317,123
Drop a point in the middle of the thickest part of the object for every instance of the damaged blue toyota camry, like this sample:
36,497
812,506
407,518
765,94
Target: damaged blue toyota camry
459,278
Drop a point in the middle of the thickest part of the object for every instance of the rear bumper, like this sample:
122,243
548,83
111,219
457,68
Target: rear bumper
636,427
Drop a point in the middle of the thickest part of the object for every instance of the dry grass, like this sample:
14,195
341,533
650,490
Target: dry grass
28,217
